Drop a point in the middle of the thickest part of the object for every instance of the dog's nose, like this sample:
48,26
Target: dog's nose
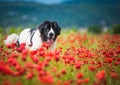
51,34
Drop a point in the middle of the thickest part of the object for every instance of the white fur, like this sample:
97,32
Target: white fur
25,37
51,31
11,39
36,41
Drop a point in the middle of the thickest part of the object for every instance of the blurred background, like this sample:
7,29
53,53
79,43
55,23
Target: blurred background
68,13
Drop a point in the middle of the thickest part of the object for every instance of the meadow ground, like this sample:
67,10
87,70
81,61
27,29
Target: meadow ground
80,59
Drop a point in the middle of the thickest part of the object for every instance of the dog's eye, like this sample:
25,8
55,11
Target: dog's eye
45,27
48,29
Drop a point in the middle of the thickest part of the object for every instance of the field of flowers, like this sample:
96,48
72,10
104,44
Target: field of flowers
79,59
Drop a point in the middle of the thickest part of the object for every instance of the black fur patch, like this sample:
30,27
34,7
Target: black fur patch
32,32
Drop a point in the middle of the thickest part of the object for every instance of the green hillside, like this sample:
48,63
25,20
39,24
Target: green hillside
78,14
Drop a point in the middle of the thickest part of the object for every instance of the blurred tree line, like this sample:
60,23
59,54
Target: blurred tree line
93,29
97,29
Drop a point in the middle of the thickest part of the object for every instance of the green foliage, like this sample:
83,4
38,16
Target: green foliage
74,29
116,29
2,31
95,29
14,30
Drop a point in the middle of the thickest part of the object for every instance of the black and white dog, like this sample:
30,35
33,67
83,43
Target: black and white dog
33,38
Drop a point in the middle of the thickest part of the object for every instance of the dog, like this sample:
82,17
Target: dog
34,38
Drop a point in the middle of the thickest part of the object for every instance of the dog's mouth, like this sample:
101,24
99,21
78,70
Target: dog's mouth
50,41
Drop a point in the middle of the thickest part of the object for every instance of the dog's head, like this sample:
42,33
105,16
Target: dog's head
49,31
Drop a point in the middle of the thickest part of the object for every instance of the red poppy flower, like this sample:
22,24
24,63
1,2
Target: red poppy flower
100,75
92,68
30,75
114,75
63,72
109,60
46,79
78,65
79,76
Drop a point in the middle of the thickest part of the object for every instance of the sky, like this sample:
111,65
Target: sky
42,1
49,1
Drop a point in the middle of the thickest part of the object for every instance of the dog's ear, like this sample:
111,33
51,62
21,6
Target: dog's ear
43,26
40,28
56,26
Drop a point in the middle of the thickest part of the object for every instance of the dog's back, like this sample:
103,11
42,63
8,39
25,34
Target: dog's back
24,35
